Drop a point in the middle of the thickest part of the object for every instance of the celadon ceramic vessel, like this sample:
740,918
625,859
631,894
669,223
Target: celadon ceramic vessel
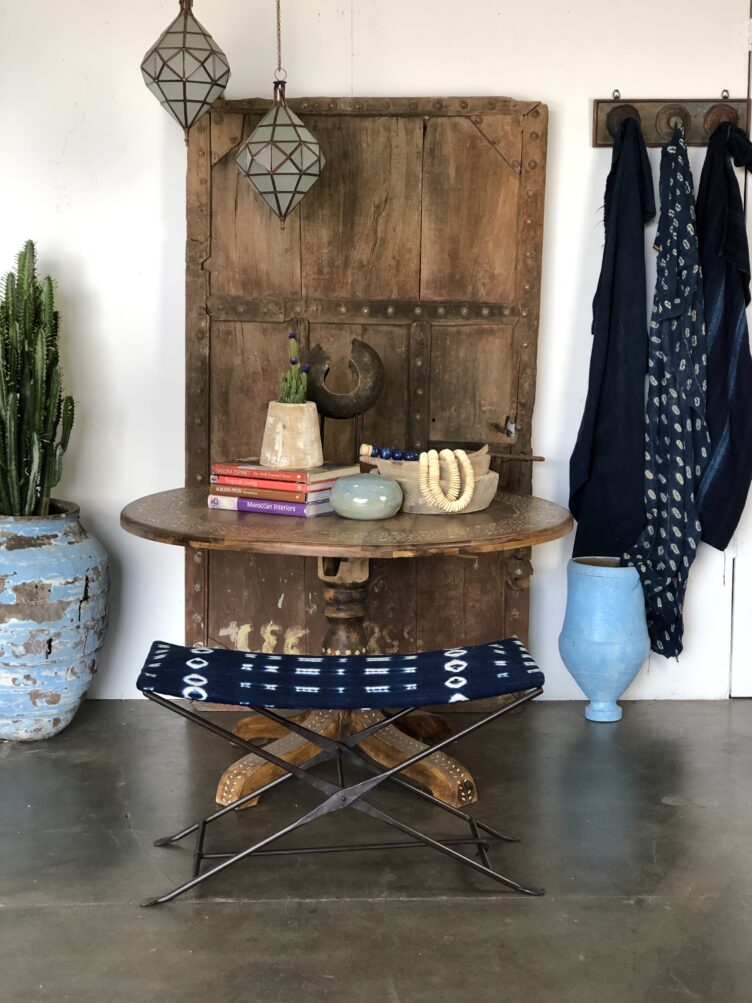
604,641
366,496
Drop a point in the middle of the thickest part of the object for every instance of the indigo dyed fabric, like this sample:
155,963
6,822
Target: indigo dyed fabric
255,679
606,467
677,443
724,253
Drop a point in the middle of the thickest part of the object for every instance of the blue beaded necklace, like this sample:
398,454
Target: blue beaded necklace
387,453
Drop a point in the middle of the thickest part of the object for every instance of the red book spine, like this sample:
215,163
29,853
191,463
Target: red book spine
235,470
266,485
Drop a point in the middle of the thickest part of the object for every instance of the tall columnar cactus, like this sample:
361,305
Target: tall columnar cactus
294,383
35,419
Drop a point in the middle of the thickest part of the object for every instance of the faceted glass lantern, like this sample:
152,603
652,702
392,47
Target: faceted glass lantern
281,158
185,69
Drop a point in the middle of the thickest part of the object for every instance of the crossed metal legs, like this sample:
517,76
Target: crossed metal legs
340,796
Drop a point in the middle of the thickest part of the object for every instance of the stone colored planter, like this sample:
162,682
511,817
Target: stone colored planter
292,438
604,640
54,585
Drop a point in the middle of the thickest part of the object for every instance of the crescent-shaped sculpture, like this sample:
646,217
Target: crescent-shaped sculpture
365,363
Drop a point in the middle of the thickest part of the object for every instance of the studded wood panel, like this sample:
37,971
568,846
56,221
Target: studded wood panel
423,237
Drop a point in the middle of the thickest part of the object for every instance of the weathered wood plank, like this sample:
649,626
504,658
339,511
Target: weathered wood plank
392,620
422,107
198,205
419,385
473,383
386,423
361,220
359,310
469,224
247,361
528,283
257,603
226,133
440,601
250,252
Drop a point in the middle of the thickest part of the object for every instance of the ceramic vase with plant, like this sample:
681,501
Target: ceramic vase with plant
53,576
292,437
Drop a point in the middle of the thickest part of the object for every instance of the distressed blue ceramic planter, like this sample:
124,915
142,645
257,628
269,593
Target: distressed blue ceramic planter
366,496
604,641
54,584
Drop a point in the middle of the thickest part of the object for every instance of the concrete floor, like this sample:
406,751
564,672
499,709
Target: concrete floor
640,832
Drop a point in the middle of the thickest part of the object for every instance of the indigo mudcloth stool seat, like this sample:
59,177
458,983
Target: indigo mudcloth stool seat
267,683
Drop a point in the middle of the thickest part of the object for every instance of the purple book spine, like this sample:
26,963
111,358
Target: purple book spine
269,507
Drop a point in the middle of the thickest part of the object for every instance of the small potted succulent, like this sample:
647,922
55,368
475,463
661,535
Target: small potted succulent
292,437
54,577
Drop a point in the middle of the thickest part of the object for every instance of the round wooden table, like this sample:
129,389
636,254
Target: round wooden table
344,546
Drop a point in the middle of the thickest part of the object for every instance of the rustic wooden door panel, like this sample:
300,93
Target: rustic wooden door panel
245,361
251,255
422,237
387,421
470,209
361,220
256,603
227,132
473,385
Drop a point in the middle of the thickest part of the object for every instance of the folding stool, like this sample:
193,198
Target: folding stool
268,683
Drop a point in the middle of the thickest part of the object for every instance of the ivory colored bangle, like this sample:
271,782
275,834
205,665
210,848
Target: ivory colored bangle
430,483
455,482
423,476
465,498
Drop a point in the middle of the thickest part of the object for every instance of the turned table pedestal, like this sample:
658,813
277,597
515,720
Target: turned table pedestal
344,548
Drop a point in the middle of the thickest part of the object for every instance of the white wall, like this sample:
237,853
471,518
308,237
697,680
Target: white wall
93,170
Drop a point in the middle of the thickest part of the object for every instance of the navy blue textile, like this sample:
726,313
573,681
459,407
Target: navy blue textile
677,443
255,679
724,252
606,468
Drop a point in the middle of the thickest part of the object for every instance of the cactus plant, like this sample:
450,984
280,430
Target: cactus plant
35,418
294,383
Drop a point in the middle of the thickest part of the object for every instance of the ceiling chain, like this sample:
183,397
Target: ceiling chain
280,70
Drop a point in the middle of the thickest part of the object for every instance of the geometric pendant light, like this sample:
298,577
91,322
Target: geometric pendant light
281,158
185,69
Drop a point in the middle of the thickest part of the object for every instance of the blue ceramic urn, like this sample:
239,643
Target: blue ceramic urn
366,496
604,640
54,585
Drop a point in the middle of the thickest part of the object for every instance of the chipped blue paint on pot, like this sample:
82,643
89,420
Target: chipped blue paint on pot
54,584
604,640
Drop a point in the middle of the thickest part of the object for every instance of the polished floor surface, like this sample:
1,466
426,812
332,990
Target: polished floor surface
640,832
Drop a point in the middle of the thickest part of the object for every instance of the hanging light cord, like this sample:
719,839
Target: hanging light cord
281,72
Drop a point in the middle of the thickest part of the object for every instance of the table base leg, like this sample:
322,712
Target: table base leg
345,596
252,771
443,776
257,728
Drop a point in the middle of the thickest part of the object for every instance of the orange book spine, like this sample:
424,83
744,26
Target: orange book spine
290,496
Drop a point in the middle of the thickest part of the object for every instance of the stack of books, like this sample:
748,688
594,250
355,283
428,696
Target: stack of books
246,486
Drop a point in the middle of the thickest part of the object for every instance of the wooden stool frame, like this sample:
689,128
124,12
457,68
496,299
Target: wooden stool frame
339,796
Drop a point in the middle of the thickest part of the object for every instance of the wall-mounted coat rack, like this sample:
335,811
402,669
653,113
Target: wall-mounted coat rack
658,119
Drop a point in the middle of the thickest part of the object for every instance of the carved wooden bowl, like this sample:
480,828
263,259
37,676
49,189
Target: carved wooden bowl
407,473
